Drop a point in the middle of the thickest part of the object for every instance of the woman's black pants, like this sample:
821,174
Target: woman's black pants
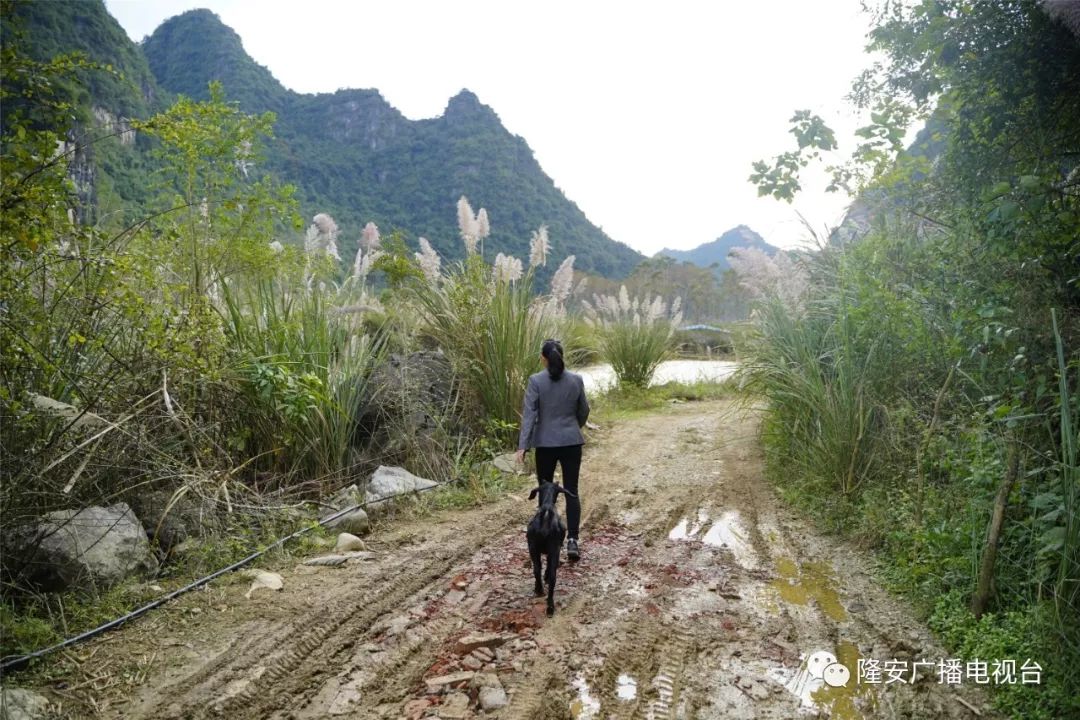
569,456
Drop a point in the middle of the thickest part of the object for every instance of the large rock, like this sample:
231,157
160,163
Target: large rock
354,522
388,482
170,519
345,497
507,463
408,400
98,546
347,542
22,704
79,419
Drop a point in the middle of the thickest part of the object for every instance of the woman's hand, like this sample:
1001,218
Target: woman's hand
520,457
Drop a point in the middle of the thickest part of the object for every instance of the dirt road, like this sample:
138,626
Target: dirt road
698,596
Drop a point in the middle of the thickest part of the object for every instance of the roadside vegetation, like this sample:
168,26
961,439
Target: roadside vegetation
219,367
923,385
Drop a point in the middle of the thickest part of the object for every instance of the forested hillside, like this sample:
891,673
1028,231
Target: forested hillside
349,153
716,251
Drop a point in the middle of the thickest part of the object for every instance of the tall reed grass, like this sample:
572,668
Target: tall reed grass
492,330
634,334
822,415
305,366
1067,584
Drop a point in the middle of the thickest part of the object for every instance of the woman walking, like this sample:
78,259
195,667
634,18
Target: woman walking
555,411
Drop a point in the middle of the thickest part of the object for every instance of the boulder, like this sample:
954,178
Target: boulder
345,497
408,399
388,482
22,704
169,519
347,542
507,463
354,522
79,419
97,546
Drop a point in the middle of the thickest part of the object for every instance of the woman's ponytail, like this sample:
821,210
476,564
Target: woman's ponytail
553,351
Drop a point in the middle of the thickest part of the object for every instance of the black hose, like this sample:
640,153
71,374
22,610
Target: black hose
19,662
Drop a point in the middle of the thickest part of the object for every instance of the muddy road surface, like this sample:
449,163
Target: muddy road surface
698,596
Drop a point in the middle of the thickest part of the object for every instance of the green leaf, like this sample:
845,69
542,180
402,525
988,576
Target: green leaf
1053,540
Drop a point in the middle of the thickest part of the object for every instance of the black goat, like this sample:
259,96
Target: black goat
545,534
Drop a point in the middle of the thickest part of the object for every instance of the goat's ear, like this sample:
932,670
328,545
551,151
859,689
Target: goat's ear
532,493
564,491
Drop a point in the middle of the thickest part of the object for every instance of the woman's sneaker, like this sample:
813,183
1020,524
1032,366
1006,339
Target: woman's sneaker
572,552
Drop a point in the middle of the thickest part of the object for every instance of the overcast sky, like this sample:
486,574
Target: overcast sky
647,115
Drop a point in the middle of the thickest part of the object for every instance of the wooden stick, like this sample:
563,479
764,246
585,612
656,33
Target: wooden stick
969,706
981,597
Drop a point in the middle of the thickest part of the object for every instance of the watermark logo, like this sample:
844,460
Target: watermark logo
950,671
822,665
837,675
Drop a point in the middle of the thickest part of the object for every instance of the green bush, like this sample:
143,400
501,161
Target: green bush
1021,635
492,329
634,335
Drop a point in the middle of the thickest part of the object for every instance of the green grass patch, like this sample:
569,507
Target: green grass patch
481,484
626,401
1019,635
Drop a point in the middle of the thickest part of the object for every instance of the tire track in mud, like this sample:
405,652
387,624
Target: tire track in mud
540,694
668,683
332,638
634,658
291,655
665,618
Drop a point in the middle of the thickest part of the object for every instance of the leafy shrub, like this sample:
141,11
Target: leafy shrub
635,335
1018,635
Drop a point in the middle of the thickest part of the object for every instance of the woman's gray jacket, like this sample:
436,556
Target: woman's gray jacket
554,411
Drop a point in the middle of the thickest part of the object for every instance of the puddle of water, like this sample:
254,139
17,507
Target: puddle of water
627,687
598,378
726,531
680,531
585,706
814,694
813,581
841,700
688,529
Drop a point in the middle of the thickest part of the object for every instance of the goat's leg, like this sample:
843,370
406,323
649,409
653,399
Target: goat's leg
534,554
549,575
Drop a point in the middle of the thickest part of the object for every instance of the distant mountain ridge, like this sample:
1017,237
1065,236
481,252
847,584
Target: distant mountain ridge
716,251
348,153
